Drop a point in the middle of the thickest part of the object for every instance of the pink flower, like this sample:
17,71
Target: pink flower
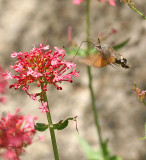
41,66
45,88
33,96
111,2
41,138
7,75
44,108
77,1
3,85
16,132
10,155
69,34
3,100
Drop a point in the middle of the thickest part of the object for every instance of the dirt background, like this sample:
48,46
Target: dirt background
122,116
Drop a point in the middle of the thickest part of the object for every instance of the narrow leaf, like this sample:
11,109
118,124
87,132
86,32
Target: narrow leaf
62,124
90,153
118,46
96,155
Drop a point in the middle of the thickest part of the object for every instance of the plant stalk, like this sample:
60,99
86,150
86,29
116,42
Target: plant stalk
52,132
137,11
95,113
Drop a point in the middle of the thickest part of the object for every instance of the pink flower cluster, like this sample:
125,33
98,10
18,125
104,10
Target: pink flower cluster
77,1
111,2
3,84
42,67
16,132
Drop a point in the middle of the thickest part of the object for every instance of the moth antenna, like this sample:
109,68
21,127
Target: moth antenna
80,47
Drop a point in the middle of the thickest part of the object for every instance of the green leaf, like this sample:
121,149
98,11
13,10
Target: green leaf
96,155
90,153
81,52
118,46
40,127
73,52
115,158
142,138
62,124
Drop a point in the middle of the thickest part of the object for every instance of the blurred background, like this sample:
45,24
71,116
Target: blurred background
122,116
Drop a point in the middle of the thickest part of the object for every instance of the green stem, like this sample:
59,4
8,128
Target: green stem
137,11
134,9
52,132
88,24
95,112
90,84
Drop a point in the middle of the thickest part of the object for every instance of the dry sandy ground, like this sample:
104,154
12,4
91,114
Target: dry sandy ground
121,115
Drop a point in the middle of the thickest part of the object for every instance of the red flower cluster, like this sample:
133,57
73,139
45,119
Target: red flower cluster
77,1
3,84
42,67
111,2
16,132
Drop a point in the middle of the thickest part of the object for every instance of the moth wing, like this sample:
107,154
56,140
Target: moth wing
89,60
101,62
97,60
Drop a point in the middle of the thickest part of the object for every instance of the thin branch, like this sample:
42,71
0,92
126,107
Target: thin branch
132,6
